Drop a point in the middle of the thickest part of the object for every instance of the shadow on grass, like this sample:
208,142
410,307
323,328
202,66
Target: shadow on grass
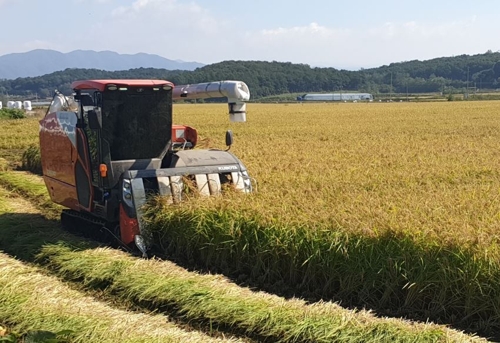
471,306
390,274
25,235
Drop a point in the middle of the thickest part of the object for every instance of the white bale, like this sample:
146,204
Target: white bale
10,104
0,105
18,105
27,105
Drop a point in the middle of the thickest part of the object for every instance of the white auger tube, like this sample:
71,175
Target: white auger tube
237,93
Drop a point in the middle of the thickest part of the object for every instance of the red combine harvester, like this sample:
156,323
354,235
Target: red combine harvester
112,143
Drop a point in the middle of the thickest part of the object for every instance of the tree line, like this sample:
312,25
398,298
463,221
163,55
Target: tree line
446,74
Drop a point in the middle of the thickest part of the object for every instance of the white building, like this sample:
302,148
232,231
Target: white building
336,97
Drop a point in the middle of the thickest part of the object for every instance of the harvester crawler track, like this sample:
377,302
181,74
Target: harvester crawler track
90,227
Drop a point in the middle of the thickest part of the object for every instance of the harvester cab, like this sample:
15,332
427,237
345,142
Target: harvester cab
112,143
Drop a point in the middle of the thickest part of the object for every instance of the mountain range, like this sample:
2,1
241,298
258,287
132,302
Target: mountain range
40,62
445,75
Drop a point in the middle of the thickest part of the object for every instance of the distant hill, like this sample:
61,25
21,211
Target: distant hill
447,75
41,62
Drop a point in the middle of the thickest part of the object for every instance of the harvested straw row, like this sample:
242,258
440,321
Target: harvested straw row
211,298
34,301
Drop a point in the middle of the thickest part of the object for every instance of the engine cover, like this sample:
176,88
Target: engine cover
197,158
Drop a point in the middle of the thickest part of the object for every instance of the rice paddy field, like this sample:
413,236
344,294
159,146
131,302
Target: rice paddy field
392,207
428,169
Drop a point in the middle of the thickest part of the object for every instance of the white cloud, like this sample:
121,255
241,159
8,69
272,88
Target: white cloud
95,1
170,14
170,28
310,44
312,29
388,42
393,42
187,31
422,30
4,2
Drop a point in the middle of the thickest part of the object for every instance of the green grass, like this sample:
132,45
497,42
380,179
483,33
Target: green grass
33,188
12,113
31,159
16,136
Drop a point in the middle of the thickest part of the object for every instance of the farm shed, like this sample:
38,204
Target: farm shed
336,97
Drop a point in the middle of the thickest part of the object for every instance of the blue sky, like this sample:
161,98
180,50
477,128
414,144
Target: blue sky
341,34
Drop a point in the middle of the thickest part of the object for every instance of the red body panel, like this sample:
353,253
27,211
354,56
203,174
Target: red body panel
58,148
58,152
59,155
129,227
62,193
183,133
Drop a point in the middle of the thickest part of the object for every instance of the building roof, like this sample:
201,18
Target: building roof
101,84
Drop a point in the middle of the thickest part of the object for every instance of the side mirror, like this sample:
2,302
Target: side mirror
94,120
229,139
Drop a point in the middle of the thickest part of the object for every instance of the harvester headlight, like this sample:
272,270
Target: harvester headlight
167,88
112,87
140,243
127,193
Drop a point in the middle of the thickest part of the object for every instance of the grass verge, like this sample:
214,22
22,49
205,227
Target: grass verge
33,188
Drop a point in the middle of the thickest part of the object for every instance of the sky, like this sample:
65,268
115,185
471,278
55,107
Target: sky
321,33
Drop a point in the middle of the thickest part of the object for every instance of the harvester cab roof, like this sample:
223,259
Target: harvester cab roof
113,142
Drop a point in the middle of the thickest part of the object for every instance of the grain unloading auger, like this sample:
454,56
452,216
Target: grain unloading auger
112,143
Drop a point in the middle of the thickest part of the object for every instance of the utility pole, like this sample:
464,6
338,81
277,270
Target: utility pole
467,77
390,96
467,91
